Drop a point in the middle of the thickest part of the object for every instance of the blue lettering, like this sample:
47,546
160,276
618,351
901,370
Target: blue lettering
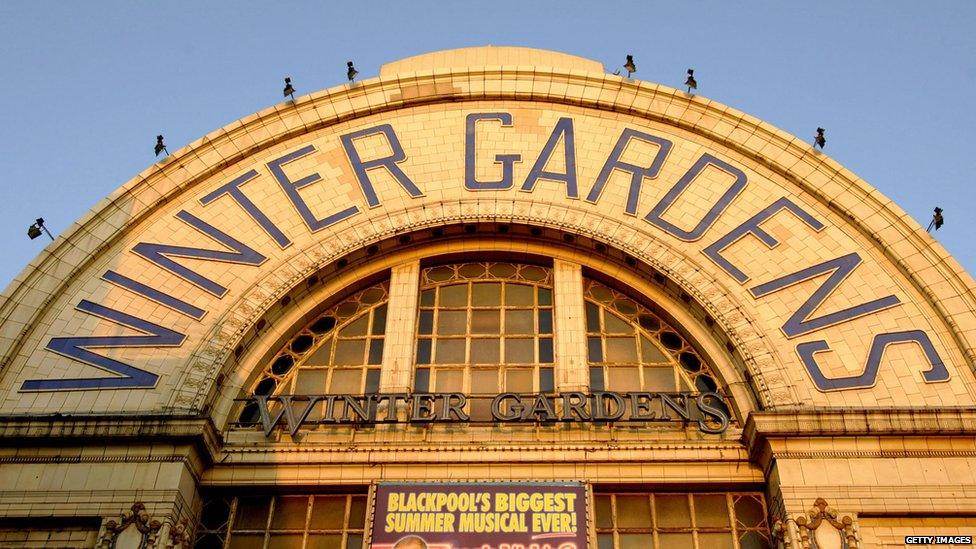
807,351
389,162
563,130
506,160
291,190
800,322
637,173
159,254
177,305
77,348
689,236
751,226
234,191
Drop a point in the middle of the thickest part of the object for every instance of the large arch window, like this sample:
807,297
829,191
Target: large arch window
485,328
337,353
630,348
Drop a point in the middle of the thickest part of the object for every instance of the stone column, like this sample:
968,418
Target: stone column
572,371
401,329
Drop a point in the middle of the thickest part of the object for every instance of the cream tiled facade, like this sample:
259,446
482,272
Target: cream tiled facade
840,332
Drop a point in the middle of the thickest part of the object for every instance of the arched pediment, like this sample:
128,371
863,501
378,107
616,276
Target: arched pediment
832,295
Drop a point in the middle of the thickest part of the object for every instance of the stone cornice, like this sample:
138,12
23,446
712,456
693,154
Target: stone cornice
41,430
763,427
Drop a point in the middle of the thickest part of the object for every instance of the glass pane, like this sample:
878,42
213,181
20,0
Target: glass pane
452,322
633,511
545,350
716,540
471,270
328,512
534,273
545,296
347,382
289,513
596,379
519,294
484,381
604,513
519,381
350,351
624,380
486,294
642,541
423,351
454,296
753,540
449,351
247,541
327,541
372,380
379,321
659,379
252,513
519,322
375,352
650,354
621,349
214,514
310,382
672,511
354,541
440,274
519,351
357,512
322,355
427,298
209,541
711,511
486,322
546,380
502,270
545,321
613,324
676,540
421,380
749,511
592,317
426,326
449,381
594,349
285,541
485,351
356,327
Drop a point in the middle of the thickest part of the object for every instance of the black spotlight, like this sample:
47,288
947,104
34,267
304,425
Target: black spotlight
35,229
691,82
937,220
630,66
351,72
289,89
160,146
820,140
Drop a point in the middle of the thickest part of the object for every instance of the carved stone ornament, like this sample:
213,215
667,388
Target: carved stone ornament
820,528
135,529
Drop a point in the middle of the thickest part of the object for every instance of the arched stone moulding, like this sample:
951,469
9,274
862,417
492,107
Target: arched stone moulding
38,304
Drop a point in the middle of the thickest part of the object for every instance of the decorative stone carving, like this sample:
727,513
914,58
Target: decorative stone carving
820,528
827,531
135,529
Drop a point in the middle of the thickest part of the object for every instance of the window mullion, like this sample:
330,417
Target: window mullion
396,374
569,328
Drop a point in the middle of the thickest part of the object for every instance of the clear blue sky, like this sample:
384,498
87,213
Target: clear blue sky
86,86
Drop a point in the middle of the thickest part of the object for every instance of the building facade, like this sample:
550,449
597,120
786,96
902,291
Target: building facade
494,297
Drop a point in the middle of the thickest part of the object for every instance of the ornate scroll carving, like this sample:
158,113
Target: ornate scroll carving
135,529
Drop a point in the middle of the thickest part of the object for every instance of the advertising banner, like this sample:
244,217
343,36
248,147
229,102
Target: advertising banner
479,515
